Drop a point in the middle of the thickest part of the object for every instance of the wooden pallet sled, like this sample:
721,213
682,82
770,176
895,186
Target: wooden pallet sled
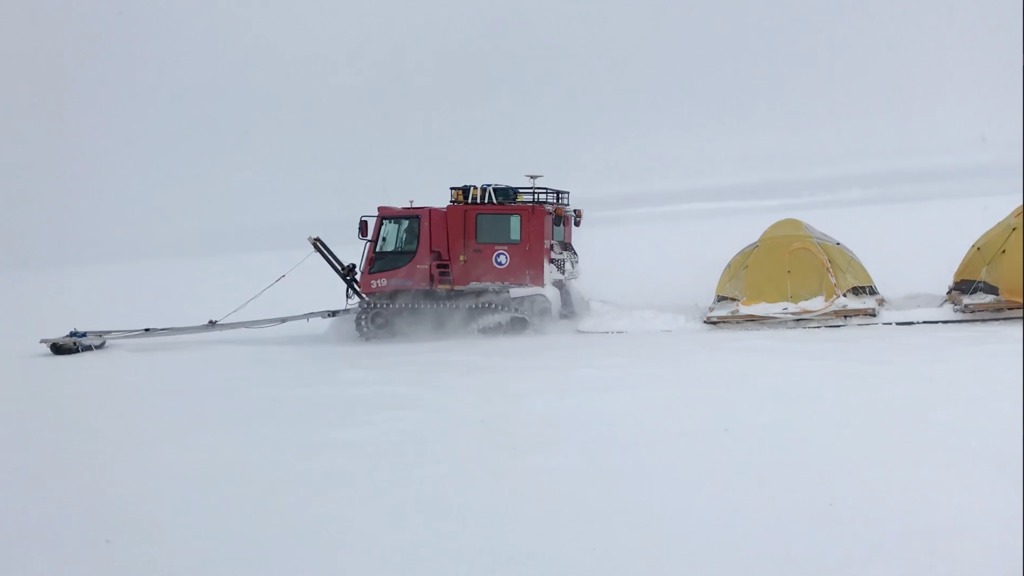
732,313
973,303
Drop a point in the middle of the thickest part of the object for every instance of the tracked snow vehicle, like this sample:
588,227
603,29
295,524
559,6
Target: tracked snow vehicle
496,258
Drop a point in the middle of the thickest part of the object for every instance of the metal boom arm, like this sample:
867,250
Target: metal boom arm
347,272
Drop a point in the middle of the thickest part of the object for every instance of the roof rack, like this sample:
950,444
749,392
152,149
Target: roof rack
504,194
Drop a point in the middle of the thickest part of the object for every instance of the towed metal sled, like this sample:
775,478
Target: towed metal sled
84,341
77,341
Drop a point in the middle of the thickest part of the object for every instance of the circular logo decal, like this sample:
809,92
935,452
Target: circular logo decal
500,259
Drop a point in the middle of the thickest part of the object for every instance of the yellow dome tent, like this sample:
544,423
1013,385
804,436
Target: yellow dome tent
793,271
989,276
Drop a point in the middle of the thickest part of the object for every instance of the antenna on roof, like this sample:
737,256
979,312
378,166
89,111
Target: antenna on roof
533,179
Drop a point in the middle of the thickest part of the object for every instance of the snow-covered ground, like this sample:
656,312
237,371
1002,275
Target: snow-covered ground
301,450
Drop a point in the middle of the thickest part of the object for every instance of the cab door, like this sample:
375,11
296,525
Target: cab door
496,246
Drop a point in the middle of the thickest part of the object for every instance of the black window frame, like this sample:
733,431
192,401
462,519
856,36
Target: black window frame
386,261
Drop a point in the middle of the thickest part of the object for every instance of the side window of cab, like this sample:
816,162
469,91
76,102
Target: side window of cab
499,228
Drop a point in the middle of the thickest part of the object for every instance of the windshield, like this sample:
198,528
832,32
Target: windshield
398,235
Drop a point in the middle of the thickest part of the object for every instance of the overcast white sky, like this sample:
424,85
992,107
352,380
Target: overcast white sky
156,118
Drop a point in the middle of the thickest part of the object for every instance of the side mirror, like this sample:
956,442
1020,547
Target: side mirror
578,217
364,229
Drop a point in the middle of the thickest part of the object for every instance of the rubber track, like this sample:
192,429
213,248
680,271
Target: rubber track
481,310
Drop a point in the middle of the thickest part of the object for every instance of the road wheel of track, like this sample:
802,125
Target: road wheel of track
375,323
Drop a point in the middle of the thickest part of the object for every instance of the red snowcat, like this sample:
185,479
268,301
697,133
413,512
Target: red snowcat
495,259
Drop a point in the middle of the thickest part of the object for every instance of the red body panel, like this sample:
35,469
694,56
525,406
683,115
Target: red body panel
512,248
517,262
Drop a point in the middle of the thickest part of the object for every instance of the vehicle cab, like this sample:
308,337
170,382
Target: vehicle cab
487,236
